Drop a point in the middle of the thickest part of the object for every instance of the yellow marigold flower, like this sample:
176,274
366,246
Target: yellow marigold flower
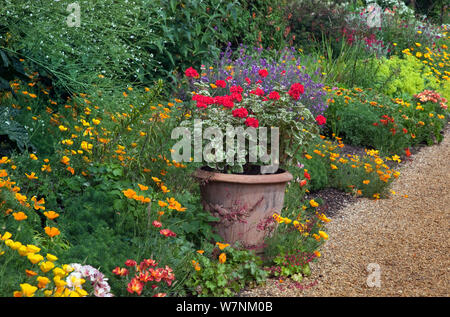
31,176
324,218
67,268
308,156
313,203
59,272
323,234
143,187
42,281
222,258
58,281
23,251
32,248
86,146
156,179
162,203
164,189
333,167
34,258
65,160
46,168
366,182
62,128
317,253
96,121
46,266
51,257
222,245
28,290
6,236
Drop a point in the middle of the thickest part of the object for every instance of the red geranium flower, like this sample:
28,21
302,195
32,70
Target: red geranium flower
191,72
236,89
240,113
201,105
321,120
274,95
296,90
407,152
252,122
221,83
263,72
248,80
236,97
257,91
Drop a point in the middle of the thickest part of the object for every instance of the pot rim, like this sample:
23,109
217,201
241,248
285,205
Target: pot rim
208,176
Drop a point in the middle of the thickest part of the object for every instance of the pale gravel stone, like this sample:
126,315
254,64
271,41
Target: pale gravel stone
408,237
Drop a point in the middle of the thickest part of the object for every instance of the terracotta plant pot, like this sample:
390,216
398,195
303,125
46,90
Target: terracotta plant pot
245,204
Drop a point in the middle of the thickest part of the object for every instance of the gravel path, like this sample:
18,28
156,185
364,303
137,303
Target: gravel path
405,236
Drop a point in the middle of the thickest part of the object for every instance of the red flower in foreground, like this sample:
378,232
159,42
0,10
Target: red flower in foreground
135,286
303,182
257,91
221,83
274,95
252,122
321,120
263,73
236,89
167,233
240,113
296,90
407,152
190,72
307,176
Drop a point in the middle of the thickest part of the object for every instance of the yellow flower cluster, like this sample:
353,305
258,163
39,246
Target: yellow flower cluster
46,284
437,58
22,199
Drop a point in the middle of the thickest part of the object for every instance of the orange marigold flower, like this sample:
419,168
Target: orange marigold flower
129,193
19,216
222,245
143,187
31,176
52,231
222,258
51,214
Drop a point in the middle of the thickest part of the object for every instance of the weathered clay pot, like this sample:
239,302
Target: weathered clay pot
245,204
